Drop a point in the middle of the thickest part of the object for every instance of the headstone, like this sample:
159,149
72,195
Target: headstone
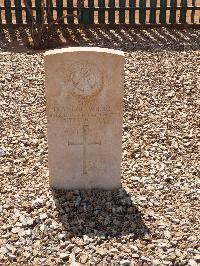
84,93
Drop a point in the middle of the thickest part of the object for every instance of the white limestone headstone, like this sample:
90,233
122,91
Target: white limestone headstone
84,93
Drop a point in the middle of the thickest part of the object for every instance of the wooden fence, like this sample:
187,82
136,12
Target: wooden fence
105,11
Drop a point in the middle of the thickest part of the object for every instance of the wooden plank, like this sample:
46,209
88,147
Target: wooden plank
49,11
142,11
85,16
101,13
85,13
8,14
111,12
132,4
163,11
91,11
80,5
193,11
122,3
153,4
183,11
70,20
38,6
18,11
173,9
28,15
59,5
0,16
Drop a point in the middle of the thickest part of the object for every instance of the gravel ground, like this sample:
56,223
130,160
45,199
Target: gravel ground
154,219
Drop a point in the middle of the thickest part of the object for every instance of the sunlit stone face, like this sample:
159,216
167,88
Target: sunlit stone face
84,92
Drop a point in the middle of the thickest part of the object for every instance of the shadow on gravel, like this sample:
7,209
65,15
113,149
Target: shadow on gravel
125,38
101,214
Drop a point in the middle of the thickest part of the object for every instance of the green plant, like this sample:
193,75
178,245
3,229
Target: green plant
42,33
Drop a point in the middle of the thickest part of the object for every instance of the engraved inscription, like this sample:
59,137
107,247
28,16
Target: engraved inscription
84,144
78,112
84,79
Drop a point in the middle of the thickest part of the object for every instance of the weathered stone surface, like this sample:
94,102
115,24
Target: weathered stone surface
84,92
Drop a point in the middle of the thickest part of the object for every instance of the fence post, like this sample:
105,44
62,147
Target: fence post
193,11
59,6
70,20
80,12
18,11
172,18
163,10
49,5
101,13
142,11
38,7
28,15
122,4
85,16
153,4
8,14
91,11
183,11
111,12
0,16
132,11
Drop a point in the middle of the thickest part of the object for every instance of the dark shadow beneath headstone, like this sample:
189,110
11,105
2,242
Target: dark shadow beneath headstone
99,214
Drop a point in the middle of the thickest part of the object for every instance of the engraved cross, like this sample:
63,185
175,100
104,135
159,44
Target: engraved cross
84,144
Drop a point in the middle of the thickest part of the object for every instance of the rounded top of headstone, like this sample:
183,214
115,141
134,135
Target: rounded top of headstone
84,49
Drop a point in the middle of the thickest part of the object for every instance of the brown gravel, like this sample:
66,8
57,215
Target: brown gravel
154,219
